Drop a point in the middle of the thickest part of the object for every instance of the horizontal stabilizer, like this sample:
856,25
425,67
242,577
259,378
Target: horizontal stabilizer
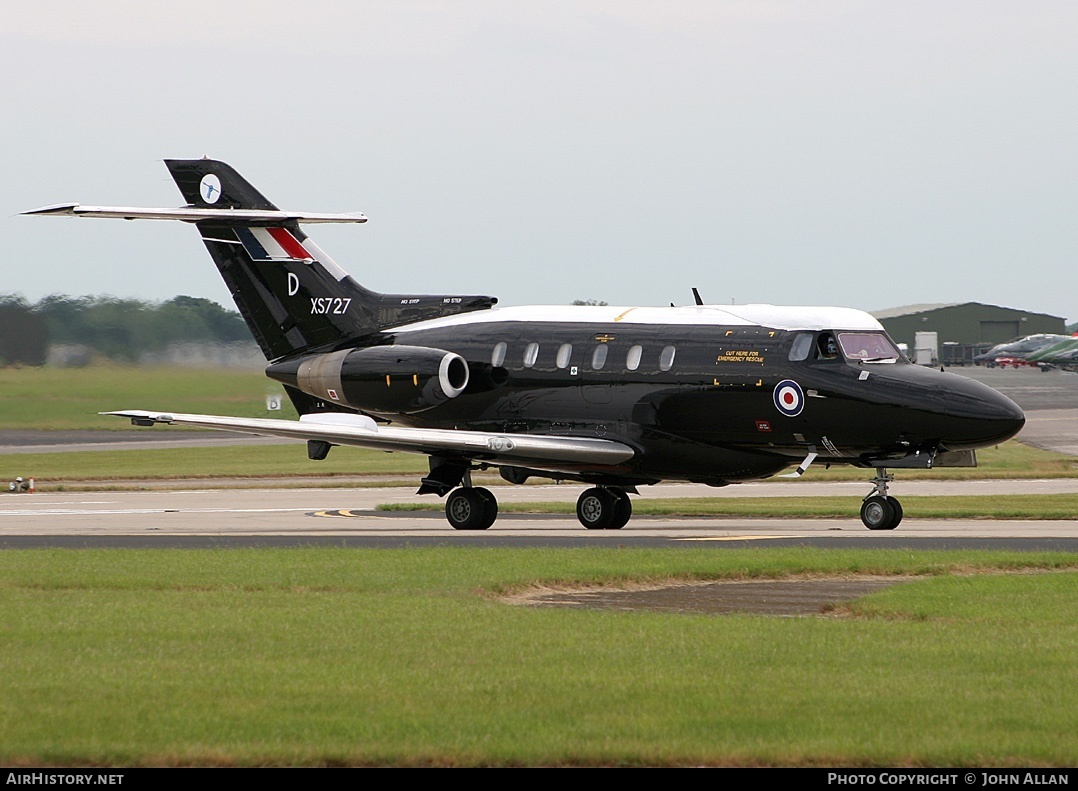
540,452
195,214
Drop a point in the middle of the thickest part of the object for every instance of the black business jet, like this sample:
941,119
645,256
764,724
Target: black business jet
612,397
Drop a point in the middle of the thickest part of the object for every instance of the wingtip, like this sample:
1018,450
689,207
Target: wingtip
58,208
141,417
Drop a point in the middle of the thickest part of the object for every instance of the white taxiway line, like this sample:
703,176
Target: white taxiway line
104,511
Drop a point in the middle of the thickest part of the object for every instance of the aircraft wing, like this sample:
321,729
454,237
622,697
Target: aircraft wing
528,450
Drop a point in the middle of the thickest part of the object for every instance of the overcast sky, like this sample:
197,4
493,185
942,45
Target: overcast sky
861,154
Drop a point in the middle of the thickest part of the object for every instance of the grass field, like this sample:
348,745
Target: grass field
382,657
70,398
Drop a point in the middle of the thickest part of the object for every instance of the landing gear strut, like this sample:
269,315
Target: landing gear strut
880,511
604,508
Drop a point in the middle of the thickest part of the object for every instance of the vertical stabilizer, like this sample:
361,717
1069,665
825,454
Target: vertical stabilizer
292,295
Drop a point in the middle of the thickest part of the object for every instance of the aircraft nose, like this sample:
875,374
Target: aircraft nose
980,417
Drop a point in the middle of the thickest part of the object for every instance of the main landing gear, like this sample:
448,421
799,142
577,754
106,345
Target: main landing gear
599,508
604,508
471,508
880,511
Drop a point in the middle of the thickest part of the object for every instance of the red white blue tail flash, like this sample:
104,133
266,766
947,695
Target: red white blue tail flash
272,244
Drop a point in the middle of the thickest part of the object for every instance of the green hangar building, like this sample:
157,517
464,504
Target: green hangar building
966,323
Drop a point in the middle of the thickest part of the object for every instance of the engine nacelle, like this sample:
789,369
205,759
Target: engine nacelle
380,379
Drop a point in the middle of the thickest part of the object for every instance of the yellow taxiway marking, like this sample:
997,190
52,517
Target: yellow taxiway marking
343,513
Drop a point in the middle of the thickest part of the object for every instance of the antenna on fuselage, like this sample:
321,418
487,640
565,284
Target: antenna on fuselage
696,296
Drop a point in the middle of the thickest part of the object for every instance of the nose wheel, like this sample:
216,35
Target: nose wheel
880,511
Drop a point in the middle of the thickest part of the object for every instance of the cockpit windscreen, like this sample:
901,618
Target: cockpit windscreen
868,347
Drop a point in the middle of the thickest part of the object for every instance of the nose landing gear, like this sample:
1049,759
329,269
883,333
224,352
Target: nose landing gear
880,511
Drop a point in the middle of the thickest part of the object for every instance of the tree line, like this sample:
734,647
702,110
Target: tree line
120,329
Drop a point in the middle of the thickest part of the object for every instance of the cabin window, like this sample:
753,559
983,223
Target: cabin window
565,351
801,347
598,357
632,359
666,358
531,354
497,357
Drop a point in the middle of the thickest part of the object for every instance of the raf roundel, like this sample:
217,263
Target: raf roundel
210,188
789,399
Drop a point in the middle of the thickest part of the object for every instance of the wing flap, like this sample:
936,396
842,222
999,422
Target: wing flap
195,214
542,452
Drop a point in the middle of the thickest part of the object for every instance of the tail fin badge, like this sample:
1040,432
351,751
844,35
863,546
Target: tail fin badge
210,188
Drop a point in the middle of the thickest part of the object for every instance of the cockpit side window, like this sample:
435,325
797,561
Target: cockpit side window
801,347
826,347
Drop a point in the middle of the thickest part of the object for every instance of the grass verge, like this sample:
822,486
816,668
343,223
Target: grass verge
233,461
408,658
1010,460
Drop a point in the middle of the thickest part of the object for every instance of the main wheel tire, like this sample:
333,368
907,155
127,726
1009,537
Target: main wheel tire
897,506
490,506
469,509
878,513
596,509
623,509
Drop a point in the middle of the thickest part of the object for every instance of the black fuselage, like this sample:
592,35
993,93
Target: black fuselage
697,402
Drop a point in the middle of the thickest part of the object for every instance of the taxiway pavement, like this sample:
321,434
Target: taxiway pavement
245,517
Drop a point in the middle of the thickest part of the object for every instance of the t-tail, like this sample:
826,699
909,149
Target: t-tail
293,296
